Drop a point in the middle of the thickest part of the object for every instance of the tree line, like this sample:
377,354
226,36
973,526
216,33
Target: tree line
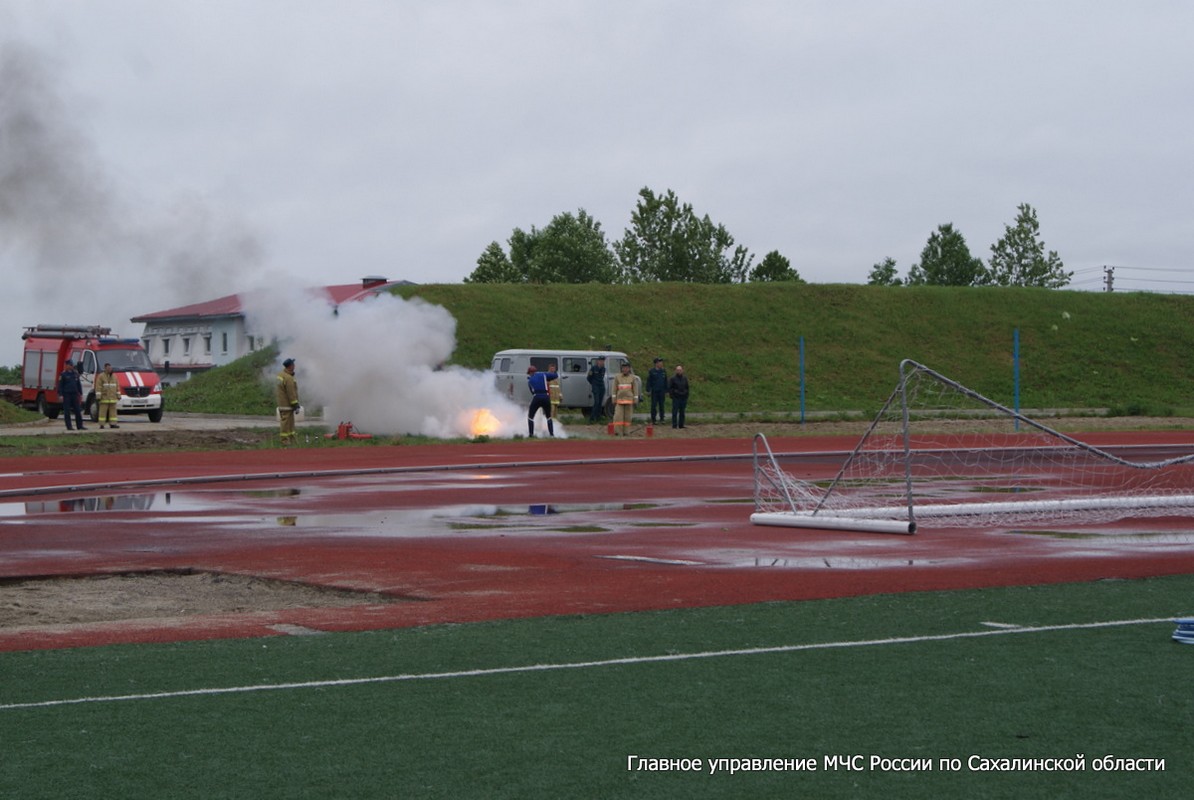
1019,258
667,241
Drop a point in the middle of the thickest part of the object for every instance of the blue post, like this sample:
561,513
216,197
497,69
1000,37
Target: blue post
801,380
1016,374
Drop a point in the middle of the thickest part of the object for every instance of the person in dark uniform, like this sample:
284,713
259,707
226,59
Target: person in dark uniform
540,398
677,387
596,379
657,388
70,389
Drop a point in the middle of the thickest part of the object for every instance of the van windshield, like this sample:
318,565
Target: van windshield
131,360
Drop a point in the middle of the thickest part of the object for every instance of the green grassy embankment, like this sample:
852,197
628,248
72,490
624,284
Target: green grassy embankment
740,344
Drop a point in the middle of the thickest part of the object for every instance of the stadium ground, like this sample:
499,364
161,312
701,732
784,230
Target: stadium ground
500,530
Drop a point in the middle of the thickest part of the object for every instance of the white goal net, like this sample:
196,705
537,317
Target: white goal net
941,454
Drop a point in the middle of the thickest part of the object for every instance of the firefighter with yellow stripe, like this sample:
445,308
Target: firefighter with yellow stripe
286,394
553,392
107,395
627,390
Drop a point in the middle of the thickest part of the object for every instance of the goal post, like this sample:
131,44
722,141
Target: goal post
940,453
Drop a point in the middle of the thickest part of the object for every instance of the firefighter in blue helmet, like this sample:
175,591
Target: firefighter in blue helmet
540,397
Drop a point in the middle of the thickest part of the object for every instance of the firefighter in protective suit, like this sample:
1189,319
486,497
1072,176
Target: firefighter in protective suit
107,395
288,402
627,390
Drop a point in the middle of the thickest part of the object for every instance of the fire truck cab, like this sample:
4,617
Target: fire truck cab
47,349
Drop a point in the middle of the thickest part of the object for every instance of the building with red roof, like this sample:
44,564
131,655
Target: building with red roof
188,339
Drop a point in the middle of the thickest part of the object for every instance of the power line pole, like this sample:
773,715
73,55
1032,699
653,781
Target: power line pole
1109,279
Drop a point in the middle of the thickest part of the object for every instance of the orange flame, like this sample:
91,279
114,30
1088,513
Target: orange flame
484,423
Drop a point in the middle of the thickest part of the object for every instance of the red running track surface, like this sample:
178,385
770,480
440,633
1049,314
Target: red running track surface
464,533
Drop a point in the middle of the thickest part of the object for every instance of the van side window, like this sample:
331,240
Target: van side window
543,363
572,364
88,367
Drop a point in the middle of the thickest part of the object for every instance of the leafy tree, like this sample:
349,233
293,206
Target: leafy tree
1019,258
946,261
666,241
493,266
775,267
571,249
884,273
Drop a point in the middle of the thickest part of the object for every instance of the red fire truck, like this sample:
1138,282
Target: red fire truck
47,348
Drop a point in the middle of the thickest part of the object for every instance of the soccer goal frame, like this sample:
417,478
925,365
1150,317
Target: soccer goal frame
975,449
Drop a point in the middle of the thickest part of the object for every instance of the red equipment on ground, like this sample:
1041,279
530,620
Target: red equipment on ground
344,431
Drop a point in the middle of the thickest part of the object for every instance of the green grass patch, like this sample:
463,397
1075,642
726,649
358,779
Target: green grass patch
12,414
740,343
567,732
244,387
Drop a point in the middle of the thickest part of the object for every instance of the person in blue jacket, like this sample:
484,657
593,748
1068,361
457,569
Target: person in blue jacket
70,390
540,397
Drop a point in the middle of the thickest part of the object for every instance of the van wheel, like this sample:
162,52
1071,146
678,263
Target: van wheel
155,415
44,408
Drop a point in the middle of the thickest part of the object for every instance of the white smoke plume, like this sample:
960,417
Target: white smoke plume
378,363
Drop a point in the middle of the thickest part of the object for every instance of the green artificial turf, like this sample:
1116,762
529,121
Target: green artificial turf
569,729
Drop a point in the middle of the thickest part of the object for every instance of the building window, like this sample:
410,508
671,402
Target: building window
224,342
207,345
186,345
252,343
165,347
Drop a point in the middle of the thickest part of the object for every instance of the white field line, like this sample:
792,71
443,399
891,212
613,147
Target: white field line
612,662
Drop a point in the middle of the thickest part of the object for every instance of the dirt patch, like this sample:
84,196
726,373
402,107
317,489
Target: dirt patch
155,595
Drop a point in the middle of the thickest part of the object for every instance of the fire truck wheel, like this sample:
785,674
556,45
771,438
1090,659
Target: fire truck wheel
91,409
155,415
44,409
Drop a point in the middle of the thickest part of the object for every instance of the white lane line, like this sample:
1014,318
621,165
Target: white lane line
612,662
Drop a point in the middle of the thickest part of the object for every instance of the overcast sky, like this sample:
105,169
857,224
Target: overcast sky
185,150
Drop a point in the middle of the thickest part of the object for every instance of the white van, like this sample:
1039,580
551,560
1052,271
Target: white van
510,373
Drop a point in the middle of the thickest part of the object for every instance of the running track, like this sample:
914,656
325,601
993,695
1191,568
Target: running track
503,530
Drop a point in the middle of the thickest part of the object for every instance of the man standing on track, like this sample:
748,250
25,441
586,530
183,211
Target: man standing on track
596,378
540,398
70,390
657,388
627,390
677,387
107,395
288,402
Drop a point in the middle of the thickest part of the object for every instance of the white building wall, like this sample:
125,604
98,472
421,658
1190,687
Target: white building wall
179,348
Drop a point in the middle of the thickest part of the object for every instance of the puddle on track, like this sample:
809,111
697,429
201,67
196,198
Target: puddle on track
258,509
